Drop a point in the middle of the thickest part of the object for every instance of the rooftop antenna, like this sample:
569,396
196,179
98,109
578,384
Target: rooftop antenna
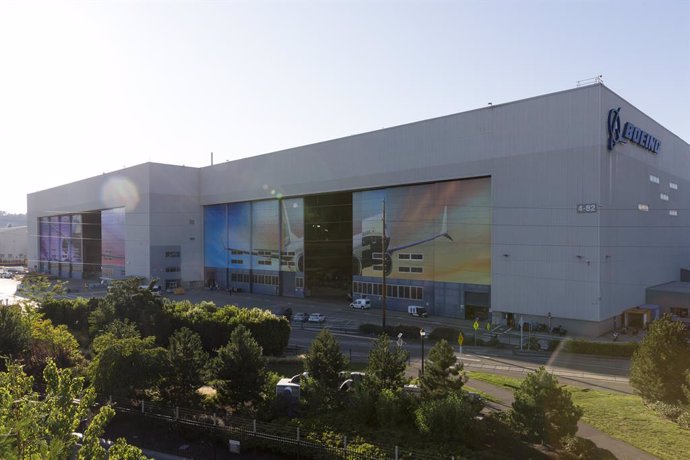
599,79
211,158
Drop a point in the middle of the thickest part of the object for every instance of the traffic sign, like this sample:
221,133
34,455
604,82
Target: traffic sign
476,325
461,338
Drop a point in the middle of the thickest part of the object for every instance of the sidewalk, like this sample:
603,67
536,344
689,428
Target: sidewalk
618,448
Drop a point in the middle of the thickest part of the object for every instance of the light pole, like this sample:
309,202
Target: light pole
422,336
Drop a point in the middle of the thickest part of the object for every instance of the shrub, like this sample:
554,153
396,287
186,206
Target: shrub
543,410
669,411
684,419
599,348
447,420
409,332
658,367
585,448
449,334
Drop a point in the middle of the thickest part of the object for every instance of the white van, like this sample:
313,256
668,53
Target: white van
416,310
362,304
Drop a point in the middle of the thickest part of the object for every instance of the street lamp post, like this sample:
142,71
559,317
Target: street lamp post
422,336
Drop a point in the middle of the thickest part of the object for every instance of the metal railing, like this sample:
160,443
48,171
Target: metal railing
287,439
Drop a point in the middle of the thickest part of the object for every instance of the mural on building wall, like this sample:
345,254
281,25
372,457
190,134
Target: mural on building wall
436,232
77,235
292,254
65,239
44,229
54,238
215,236
239,237
113,242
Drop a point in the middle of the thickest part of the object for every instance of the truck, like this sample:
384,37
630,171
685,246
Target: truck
362,304
416,310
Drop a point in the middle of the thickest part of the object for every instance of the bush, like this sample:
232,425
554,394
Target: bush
449,334
600,348
684,419
658,367
543,410
585,449
447,420
409,332
669,411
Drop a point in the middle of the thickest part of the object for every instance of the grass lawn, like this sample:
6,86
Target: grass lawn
621,416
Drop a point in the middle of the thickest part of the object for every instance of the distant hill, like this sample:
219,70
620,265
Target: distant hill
12,220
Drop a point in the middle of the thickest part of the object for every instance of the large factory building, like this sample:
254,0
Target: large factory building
564,207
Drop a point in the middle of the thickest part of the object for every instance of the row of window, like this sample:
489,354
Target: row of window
172,269
401,256
172,253
645,208
257,279
655,179
403,269
392,290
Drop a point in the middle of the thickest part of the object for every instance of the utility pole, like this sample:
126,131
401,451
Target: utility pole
383,267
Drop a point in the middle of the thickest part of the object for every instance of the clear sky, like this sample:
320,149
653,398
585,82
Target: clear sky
90,87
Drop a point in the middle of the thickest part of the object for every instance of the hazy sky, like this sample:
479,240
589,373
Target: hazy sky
90,87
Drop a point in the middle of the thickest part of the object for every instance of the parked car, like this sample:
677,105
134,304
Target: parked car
300,317
286,312
316,318
362,304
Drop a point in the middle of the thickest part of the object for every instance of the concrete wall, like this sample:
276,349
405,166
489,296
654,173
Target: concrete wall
160,202
545,155
640,249
13,243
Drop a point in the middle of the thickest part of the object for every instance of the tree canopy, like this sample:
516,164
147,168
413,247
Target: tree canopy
443,374
658,366
544,410
386,368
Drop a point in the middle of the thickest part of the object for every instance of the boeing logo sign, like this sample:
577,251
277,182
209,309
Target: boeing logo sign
630,132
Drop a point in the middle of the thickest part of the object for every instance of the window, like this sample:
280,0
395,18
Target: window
673,213
664,197
404,269
172,253
172,269
642,207
417,269
236,261
417,256
673,185
403,257
299,283
653,178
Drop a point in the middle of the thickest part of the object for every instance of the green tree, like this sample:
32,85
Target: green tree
658,366
126,367
544,410
126,300
187,361
324,361
50,343
38,289
447,420
15,333
91,447
386,366
239,370
34,426
443,373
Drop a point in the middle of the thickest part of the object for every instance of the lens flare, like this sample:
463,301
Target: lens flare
119,192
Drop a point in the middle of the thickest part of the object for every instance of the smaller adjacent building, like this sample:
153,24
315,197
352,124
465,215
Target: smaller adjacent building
13,245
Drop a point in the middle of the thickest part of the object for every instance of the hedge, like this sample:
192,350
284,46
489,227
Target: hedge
409,332
625,349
